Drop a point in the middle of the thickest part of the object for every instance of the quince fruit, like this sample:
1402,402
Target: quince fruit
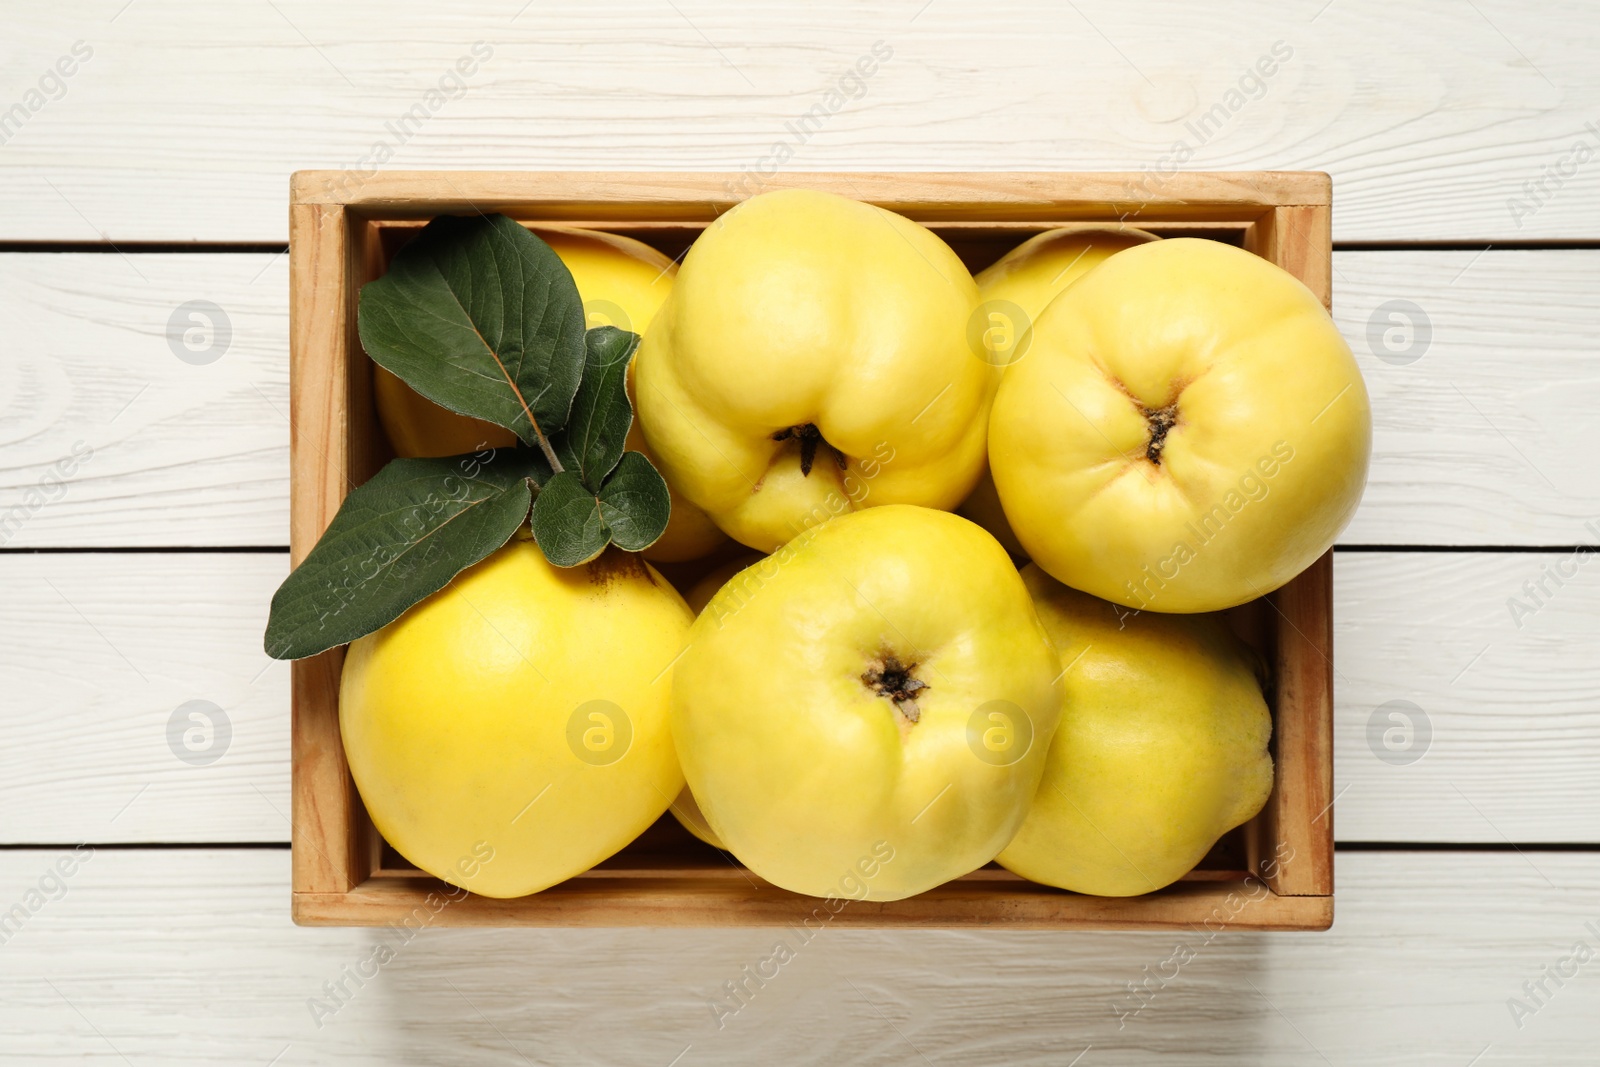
871,718
686,809
1014,290
813,360
1187,430
511,730
1162,746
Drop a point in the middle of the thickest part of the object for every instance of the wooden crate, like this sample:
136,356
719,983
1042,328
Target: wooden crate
343,229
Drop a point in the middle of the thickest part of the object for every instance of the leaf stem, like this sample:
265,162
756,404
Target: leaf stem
544,446
544,442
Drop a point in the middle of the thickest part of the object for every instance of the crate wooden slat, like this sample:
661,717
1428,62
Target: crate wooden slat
344,228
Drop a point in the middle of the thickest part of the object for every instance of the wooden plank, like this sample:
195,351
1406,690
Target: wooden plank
1515,731
1453,110
1501,390
1509,725
100,654
189,956
1480,366
183,409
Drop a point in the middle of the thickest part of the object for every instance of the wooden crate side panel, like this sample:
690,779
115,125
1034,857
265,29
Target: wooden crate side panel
721,901
318,397
930,195
1298,817
326,812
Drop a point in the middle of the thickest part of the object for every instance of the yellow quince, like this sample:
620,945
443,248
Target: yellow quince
686,809
813,359
870,718
1187,430
1014,290
1162,746
511,730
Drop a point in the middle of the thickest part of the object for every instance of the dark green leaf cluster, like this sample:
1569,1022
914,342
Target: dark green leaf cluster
481,317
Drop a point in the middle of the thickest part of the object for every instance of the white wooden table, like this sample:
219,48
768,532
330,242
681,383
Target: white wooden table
144,489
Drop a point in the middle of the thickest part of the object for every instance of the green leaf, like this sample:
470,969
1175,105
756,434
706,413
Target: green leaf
601,415
566,521
573,525
398,539
634,503
480,316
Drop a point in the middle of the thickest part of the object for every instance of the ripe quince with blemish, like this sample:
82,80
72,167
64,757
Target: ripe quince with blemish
1187,430
886,691
1162,746
812,359
520,711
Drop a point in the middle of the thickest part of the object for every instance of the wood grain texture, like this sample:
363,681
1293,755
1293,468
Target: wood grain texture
1498,399
328,856
183,453
1294,846
1518,705
1293,237
189,957
1483,422
928,196
1515,730
1432,117
99,653
1449,122
684,896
